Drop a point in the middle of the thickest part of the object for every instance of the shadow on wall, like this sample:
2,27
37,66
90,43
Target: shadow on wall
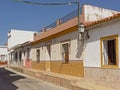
7,78
80,49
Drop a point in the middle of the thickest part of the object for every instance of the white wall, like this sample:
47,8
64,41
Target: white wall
92,45
92,13
74,53
3,51
74,50
19,37
42,49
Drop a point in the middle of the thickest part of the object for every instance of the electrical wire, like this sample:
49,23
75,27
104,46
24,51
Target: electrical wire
47,4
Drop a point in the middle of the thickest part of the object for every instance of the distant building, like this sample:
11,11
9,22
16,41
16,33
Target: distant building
3,53
15,39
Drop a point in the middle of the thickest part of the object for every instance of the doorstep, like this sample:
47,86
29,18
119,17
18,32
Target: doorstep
70,82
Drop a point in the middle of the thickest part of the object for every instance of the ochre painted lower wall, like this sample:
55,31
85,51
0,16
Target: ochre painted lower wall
38,65
73,68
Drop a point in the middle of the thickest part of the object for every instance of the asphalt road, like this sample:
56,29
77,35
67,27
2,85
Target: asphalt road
12,81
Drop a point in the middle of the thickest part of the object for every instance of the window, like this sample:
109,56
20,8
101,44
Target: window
20,55
28,54
65,52
2,57
109,51
15,56
38,55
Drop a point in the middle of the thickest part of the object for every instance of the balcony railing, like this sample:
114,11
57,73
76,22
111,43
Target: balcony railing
52,25
69,16
63,20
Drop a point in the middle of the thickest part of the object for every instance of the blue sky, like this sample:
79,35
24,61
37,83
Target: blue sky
15,15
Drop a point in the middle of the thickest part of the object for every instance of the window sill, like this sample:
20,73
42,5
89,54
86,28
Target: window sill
110,66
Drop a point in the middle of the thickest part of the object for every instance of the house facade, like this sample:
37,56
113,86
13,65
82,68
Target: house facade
59,55
102,59
57,49
18,48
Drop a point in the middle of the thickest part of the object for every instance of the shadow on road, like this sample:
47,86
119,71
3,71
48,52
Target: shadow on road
7,78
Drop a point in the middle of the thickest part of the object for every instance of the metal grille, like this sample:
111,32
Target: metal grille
69,16
64,19
52,25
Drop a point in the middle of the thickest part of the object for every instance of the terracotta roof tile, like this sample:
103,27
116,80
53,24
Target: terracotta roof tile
88,24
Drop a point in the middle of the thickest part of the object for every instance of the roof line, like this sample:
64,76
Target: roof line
89,24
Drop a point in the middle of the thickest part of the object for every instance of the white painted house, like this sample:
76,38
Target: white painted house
59,50
15,39
101,56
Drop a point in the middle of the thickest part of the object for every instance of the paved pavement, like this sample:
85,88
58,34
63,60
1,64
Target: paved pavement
14,81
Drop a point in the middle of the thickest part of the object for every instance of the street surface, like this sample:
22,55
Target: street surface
12,81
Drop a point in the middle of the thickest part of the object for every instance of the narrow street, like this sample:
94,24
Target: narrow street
12,81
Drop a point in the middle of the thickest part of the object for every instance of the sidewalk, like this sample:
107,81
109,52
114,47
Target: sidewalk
72,83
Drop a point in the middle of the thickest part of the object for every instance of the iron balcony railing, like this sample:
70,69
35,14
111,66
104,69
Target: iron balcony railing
63,20
52,25
69,16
